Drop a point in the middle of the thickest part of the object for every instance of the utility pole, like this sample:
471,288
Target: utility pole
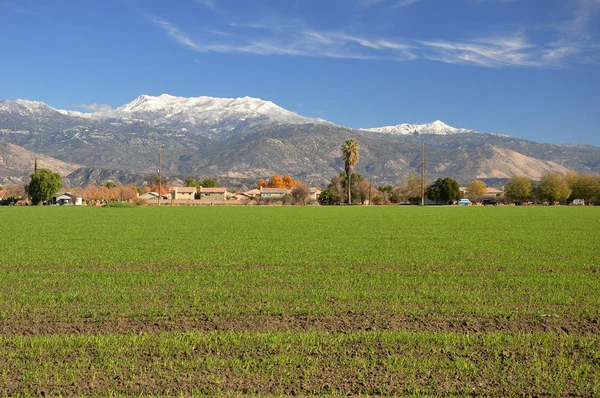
159,174
423,175
370,189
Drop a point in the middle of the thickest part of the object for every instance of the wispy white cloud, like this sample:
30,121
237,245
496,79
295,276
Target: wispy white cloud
177,35
291,37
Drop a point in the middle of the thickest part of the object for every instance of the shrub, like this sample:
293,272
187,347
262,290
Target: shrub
140,202
120,205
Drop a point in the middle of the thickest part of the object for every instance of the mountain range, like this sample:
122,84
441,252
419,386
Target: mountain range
238,140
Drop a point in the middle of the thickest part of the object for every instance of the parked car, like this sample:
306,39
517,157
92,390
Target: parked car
578,202
490,202
463,202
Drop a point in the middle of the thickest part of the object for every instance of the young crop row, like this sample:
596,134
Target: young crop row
302,363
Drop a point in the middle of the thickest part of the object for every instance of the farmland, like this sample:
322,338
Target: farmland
300,300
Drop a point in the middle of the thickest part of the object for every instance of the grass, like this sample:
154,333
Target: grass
339,278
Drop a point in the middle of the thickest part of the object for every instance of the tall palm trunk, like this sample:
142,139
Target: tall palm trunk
349,185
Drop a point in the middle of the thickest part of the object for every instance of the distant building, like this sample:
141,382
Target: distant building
153,196
67,199
183,193
213,194
251,193
273,192
493,191
314,193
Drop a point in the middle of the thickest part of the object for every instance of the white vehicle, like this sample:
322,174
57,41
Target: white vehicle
463,202
578,202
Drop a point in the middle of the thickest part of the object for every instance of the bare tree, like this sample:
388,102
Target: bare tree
301,194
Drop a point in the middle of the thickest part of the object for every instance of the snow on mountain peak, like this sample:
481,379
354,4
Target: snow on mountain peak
195,108
25,106
438,127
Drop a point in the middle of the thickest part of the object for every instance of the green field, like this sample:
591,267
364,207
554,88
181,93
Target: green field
300,300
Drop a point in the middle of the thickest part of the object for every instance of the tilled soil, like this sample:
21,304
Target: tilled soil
345,322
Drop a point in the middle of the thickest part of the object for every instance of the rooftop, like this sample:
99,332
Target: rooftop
213,190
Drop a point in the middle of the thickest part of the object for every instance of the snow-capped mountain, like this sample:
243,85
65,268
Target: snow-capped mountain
197,114
241,139
24,107
198,110
205,116
438,127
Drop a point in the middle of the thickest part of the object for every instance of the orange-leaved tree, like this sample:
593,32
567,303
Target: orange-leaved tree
289,182
276,182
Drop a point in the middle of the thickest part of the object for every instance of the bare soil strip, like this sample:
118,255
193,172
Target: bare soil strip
347,322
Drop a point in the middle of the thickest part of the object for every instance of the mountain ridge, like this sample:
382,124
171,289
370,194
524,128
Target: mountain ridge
242,139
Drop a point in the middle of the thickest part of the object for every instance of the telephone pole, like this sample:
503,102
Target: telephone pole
159,174
423,175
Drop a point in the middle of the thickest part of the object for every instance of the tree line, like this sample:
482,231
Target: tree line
552,188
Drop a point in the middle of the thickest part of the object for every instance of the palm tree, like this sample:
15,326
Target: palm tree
350,157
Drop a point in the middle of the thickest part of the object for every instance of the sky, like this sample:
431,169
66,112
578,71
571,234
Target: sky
526,68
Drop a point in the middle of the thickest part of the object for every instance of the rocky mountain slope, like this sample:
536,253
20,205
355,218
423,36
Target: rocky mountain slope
240,140
16,164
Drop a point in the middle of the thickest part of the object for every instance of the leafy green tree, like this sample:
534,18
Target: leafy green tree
190,182
329,197
554,187
519,188
43,185
434,193
209,183
584,186
350,156
445,189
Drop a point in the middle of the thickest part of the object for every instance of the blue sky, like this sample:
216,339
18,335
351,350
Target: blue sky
527,68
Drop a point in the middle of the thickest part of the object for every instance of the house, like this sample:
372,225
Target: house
251,193
273,192
213,194
314,193
153,196
183,193
489,191
67,199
